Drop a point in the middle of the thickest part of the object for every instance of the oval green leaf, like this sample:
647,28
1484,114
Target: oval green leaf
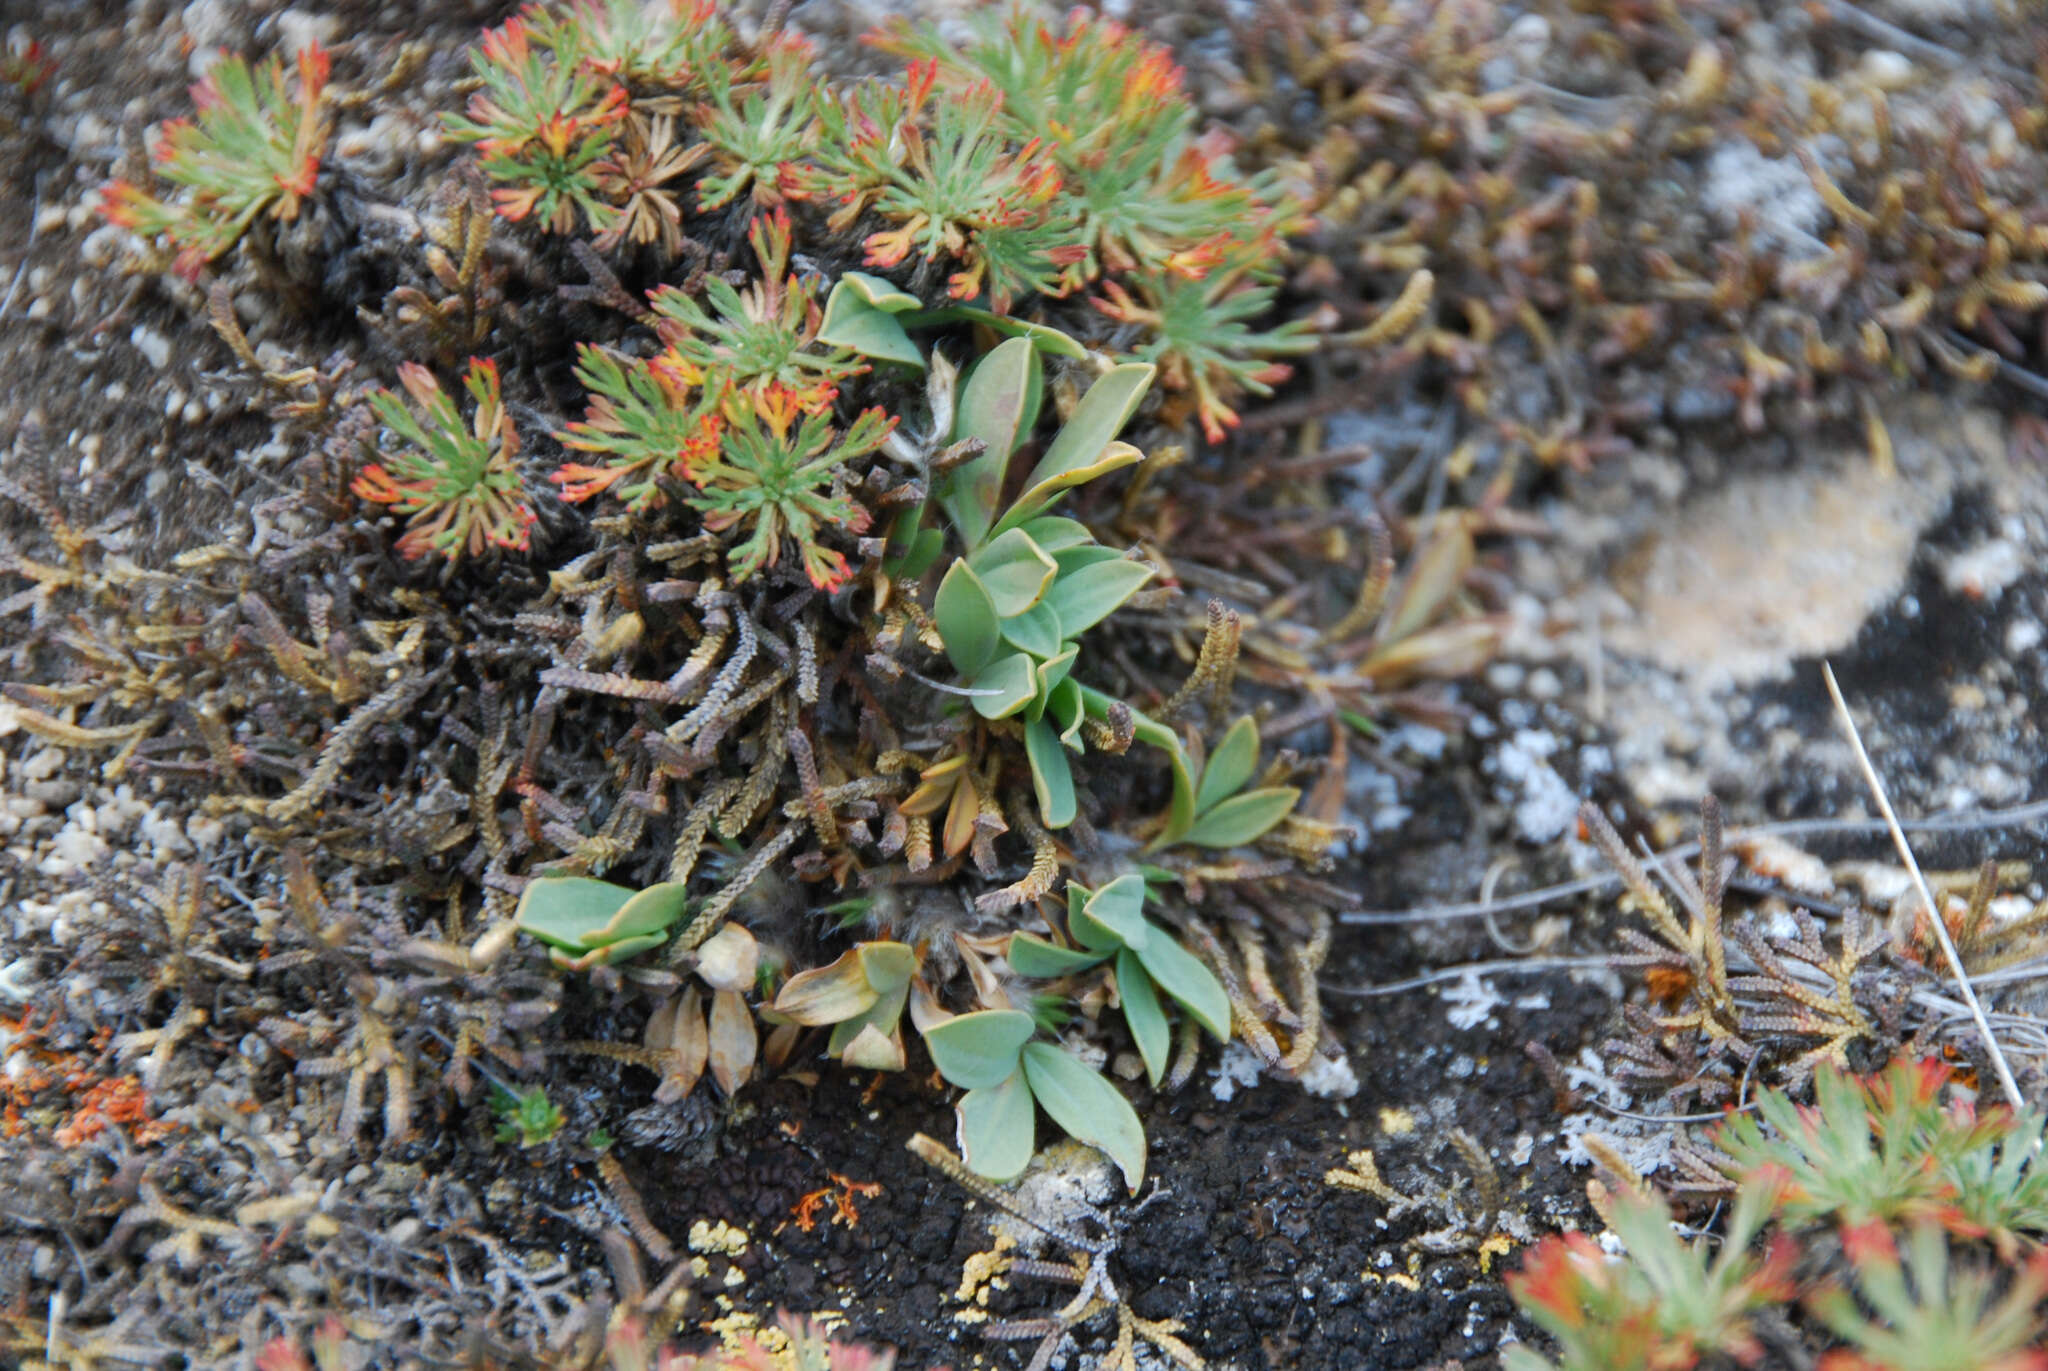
609,954
1011,681
856,324
562,911
1091,1109
1073,559
1242,818
650,911
1142,1014
1181,974
1120,907
1086,446
1033,956
888,966
1230,765
998,1128
1052,674
1056,533
1063,704
967,619
1087,595
1045,338
1037,631
977,1050
1016,571
884,295
1052,776
994,406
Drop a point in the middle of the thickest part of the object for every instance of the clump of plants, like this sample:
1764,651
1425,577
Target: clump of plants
743,593
867,376
1905,1227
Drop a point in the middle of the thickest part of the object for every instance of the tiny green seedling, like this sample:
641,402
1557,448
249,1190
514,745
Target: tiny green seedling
527,1117
588,923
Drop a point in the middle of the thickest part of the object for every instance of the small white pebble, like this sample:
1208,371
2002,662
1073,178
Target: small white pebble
1887,70
152,345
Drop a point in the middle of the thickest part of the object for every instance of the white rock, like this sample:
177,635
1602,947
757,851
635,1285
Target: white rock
1887,70
297,29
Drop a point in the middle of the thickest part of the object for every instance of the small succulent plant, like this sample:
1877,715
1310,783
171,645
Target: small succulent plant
1108,924
776,474
648,421
542,125
252,150
990,1054
458,482
1882,1164
587,922
1669,1303
762,336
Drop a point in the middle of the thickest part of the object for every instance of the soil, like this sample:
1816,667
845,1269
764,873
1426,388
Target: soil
1657,653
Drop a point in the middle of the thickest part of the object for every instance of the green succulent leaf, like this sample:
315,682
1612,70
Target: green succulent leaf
967,619
974,1051
1052,674
1013,681
1147,1021
1063,703
1086,446
1037,631
1091,1109
1073,560
1033,956
560,910
609,954
994,406
1048,340
1182,975
887,965
1242,818
578,914
1016,571
884,295
1056,533
1120,908
1230,765
855,322
1052,775
1088,595
998,1127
